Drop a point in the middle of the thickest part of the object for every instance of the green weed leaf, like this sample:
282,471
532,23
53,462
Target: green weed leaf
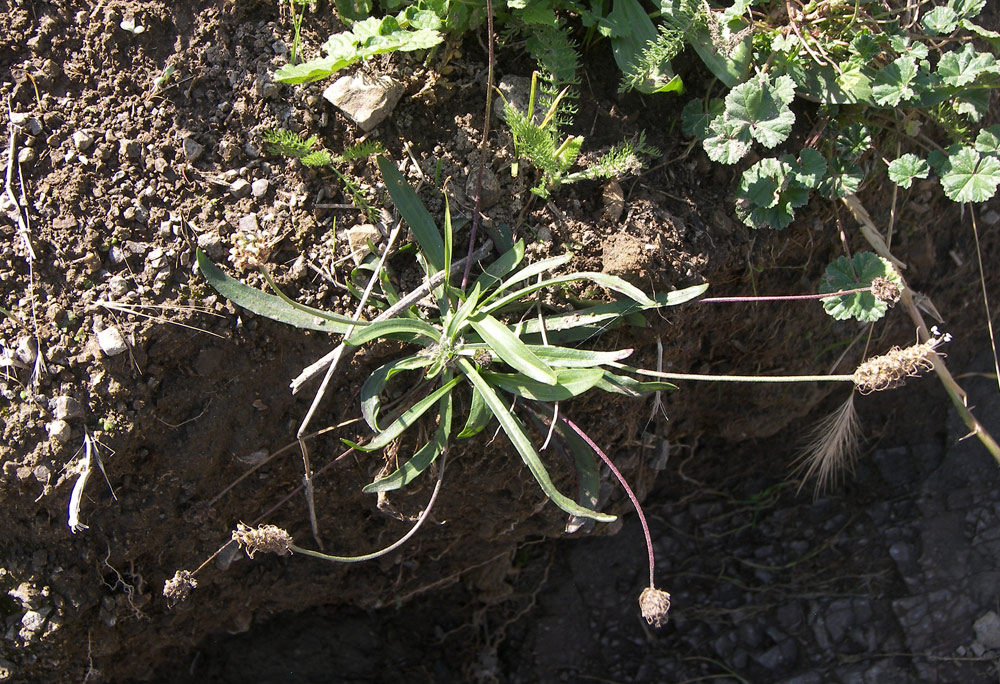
761,106
414,213
768,194
373,387
511,349
940,20
961,67
408,418
894,82
968,176
902,171
848,274
270,306
988,141
569,383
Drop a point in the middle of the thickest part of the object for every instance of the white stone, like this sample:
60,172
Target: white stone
83,140
358,238
259,187
59,430
366,100
111,341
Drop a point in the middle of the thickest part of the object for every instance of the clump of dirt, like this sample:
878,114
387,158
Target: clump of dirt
116,336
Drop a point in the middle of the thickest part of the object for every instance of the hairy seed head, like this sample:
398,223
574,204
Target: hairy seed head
654,604
179,587
892,368
266,538
885,290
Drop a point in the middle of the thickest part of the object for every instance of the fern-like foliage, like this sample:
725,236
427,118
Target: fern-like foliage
668,44
623,159
558,62
288,144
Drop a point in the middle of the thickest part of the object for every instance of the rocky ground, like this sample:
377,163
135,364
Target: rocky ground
118,172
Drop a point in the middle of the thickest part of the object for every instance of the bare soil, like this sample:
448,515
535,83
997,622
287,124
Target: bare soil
117,204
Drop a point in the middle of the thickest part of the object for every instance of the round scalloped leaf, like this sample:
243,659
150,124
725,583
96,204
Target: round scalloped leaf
848,274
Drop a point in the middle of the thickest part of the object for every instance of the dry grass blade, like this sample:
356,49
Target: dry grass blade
831,449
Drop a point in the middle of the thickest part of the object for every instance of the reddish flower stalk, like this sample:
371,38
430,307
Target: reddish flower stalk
628,490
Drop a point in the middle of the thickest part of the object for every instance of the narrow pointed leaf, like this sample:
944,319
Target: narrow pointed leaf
479,416
394,326
271,306
409,417
510,349
504,264
569,383
603,279
420,461
512,427
372,389
414,213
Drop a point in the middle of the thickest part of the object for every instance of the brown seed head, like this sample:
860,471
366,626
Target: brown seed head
266,538
178,587
654,604
892,368
885,290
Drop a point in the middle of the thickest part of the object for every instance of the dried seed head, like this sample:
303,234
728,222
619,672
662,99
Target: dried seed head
249,251
654,604
178,587
892,368
483,358
885,290
266,538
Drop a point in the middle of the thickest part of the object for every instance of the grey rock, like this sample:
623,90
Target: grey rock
779,656
59,430
248,224
34,620
42,473
358,238
27,350
26,155
239,188
211,244
366,100
987,630
259,187
83,140
130,149
118,287
30,124
111,341
192,149
66,407
156,258
515,91
490,194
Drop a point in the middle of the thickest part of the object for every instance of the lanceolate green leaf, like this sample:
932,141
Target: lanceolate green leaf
630,387
409,417
534,269
504,264
512,427
414,213
372,388
569,357
479,416
419,462
603,279
511,349
569,383
270,306
394,326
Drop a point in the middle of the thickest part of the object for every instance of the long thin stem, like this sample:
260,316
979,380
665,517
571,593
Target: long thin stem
628,490
709,377
781,298
482,143
395,545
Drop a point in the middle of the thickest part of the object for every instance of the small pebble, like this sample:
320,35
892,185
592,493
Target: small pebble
192,149
118,287
259,187
27,350
130,149
59,430
239,188
65,407
26,155
111,341
83,140
248,224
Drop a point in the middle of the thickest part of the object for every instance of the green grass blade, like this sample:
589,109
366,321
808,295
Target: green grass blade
394,326
420,461
372,389
270,306
510,349
603,279
512,427
569,383
533,269
409,417
461,317
630,387
479,416
568,357
504,264
414,213
680,296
